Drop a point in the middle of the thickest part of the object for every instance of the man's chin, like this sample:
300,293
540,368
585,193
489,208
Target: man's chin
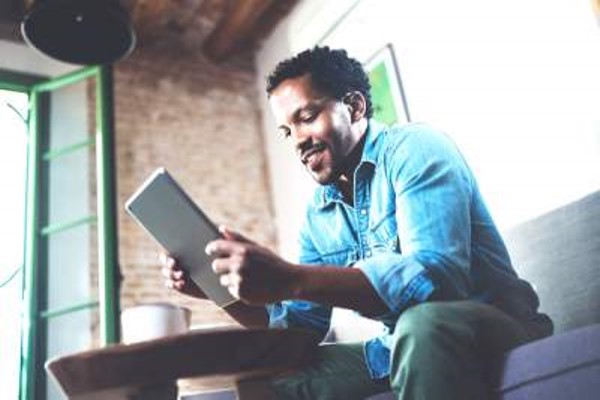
323,177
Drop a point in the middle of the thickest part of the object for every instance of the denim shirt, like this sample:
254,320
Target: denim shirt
418,225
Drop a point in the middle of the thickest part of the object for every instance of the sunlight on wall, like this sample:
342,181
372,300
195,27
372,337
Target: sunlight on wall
13,153
517,86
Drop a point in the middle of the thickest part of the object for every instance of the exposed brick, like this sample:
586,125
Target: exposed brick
201,121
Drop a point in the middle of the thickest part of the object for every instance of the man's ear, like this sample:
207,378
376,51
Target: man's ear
357,105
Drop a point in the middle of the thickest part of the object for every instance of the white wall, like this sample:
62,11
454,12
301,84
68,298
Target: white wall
18,57
514,82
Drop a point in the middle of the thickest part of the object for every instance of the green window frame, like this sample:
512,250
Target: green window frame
34,328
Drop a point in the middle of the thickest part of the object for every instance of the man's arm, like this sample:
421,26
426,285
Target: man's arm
329,285
177,279
278,280
255,275
433,189
338,287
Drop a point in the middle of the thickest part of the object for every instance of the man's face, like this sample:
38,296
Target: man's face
319,126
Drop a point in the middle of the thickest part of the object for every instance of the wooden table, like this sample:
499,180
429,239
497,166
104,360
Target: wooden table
149,370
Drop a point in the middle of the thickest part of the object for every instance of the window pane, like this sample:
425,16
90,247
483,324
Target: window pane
13,167
71,256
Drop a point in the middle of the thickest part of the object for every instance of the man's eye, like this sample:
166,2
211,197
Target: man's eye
308,117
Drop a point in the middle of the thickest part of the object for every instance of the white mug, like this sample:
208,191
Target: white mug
152,321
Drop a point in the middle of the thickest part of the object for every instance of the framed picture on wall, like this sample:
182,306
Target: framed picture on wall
387,93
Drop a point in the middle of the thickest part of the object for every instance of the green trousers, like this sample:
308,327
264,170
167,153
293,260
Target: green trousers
439,353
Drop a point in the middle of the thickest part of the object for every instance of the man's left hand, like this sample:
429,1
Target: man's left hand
251,273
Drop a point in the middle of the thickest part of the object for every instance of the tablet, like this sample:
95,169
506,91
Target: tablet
168,214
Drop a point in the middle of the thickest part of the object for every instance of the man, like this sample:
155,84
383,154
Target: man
397,231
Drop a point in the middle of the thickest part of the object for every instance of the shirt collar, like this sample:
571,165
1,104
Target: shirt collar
331,193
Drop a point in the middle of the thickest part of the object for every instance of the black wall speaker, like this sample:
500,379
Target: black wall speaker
79,31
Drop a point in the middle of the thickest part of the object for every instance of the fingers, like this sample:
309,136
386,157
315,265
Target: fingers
175,277
221,266
170,269
229,280
229,275
230,234
224,248
166,260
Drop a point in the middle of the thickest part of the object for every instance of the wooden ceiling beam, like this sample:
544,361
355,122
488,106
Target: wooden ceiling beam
238,24
148,16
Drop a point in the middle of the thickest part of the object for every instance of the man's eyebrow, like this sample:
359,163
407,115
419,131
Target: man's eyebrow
309,105
296,113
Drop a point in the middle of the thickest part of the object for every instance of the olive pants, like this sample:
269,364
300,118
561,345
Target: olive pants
439,353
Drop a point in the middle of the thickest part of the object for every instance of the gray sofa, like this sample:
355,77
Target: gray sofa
558,252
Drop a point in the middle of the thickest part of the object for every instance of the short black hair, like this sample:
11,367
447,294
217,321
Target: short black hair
331,71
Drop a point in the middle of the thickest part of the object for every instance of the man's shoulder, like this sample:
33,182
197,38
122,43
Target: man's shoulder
412,131
414,137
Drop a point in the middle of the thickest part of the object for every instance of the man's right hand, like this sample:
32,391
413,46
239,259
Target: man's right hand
178,279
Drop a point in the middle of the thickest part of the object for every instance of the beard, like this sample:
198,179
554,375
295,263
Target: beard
327,171
323,177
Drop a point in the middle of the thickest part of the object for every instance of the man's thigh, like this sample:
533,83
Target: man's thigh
441,349
339,372
492,331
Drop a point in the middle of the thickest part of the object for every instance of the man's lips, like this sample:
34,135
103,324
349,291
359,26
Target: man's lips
314,160
312,151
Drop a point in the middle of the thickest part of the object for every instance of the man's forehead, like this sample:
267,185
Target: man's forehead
294,94
296,86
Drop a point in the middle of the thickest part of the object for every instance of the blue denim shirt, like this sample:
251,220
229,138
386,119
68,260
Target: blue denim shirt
418,225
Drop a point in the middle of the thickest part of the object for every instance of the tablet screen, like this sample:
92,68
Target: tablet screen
165,211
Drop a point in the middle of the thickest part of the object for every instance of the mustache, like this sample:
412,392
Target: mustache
307,151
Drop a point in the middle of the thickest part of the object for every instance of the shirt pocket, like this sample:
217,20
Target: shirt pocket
383,234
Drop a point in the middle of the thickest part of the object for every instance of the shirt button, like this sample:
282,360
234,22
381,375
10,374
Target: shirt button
363,211
368,253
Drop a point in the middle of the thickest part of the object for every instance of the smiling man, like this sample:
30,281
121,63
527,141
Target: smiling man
396,231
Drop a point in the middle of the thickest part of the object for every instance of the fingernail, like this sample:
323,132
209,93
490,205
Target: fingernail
208,249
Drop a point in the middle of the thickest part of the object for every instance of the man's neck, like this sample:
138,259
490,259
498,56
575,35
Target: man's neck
345,182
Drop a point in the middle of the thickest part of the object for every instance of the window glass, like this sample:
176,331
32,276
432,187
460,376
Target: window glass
13,170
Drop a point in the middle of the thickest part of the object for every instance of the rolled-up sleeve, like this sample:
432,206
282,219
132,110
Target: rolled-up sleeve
399,281
433,189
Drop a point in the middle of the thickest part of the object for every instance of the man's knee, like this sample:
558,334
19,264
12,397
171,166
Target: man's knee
419,322
430,343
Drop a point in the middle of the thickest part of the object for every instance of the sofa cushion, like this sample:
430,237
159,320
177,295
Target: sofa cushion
559,254
565,366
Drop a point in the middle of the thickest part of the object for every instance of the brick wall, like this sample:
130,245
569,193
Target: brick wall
202,123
